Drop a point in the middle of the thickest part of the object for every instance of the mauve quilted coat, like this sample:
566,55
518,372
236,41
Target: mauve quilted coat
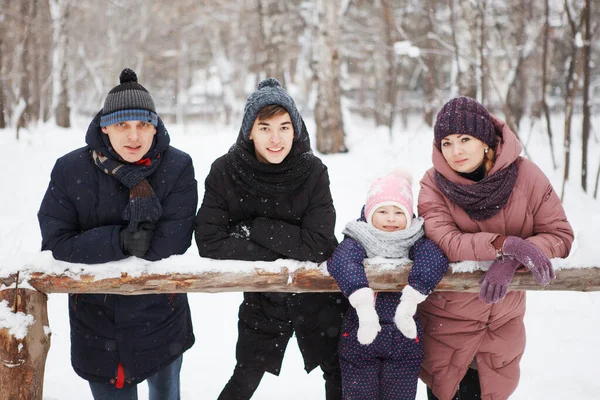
458,326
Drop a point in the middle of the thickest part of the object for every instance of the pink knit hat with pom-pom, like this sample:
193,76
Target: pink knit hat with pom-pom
392,189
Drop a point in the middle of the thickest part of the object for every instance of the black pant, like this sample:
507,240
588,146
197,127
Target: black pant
245,381
468,388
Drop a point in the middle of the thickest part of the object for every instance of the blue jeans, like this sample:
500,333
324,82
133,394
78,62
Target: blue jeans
164,385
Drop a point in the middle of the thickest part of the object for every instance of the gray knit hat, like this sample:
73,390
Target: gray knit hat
464,115
128,101
269,92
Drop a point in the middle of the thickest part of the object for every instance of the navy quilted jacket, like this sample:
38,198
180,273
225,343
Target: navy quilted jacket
346,267
80,219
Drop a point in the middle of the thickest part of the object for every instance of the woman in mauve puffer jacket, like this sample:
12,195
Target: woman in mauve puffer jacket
482,201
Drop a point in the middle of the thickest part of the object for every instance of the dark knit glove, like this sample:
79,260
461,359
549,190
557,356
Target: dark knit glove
530,256
496,280
241,230
137,243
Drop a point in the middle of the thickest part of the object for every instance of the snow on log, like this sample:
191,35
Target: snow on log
24,343
279,278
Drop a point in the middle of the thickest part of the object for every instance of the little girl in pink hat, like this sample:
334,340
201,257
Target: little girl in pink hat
380,351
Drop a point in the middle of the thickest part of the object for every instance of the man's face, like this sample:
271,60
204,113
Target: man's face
273,138
131,139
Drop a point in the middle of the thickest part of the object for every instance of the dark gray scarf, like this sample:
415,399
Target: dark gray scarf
267,180
385,244
484,199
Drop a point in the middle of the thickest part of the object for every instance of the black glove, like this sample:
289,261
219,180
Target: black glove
241,230
137,243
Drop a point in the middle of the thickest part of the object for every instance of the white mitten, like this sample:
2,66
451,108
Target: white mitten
406,310
363,300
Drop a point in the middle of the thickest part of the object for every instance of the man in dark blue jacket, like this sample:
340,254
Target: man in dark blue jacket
127,193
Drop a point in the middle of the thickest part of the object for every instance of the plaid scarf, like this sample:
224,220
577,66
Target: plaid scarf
143,204
484,199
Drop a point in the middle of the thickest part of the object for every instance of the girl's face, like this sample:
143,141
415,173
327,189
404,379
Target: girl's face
389,219
464,153
273,138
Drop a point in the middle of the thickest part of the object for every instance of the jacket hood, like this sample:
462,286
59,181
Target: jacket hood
507,151
99,141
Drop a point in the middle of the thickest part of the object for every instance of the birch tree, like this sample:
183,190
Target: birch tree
328,111
585,130
59,10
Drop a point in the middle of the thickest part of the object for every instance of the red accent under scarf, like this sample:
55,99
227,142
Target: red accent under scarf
120,377
144,161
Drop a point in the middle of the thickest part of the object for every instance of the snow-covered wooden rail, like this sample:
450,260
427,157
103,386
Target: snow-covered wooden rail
23,356
280,278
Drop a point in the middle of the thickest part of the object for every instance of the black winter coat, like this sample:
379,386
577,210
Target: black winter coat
298,225
80,219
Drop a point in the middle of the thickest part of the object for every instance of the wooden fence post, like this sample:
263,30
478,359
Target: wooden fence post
22,361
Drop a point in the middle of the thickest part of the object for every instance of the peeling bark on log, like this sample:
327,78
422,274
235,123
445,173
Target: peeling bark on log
384,277
22,361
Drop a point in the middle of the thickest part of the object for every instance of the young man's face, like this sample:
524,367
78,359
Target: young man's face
273,138
131,139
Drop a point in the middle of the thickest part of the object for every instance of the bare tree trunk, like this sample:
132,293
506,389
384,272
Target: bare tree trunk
35,51
544,103
516,96
24,359
585,131
182,76
59,10
271,17
430,60
224,70
597,181
328,110
572,85
24,117
469,84
391,86
482,46
2,100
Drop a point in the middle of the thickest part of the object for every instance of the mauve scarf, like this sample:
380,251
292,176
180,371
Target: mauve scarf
484,199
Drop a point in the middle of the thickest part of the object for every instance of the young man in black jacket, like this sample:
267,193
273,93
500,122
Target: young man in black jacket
268,198
127,193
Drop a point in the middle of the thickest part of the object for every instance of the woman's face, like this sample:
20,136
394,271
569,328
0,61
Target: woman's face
464,153
273,138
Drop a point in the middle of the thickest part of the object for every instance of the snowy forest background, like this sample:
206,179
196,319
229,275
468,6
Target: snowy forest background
382,59
368,77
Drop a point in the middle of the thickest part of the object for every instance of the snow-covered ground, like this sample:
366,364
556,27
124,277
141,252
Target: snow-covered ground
563,347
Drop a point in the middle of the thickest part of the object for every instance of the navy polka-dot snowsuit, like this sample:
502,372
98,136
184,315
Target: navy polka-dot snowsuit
388,368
